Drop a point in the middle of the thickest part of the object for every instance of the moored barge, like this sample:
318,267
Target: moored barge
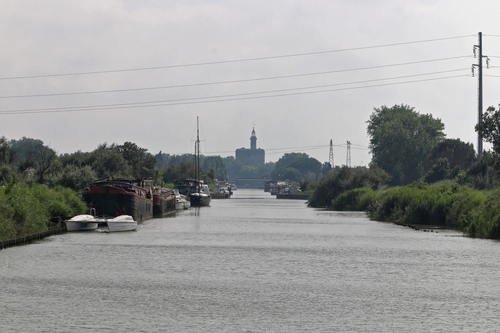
163,202
112,198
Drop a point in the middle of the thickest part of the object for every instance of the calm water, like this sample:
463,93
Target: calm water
253,264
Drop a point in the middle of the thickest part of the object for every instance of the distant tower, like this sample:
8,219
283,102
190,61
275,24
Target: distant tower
331,155
253,140
348,159
252,156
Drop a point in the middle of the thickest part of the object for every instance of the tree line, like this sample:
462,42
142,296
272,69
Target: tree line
31,161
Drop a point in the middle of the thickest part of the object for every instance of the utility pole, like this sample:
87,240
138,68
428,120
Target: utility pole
479,65
330,159
348,159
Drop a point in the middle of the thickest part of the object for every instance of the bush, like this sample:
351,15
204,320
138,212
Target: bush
354,200
334,184
27,209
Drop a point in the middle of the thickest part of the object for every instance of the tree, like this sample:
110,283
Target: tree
298,161
489,128
108,161
142,164
7,152
401,139
291,174
458,153
439,171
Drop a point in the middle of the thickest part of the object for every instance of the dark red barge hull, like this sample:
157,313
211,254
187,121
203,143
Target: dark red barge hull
163,203
119,197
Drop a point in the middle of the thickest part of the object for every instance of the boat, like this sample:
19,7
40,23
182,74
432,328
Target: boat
83,222
122,223
181,201
163,202
222,191
115,197
195,189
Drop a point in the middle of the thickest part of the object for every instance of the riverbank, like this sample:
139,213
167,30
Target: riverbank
296,196
26,209
449,205
32,238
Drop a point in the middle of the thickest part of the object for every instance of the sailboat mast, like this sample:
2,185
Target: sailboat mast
197,155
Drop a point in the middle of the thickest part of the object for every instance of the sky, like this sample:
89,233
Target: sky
77,74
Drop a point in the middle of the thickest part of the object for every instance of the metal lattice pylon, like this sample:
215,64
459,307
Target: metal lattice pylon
330,158
348,158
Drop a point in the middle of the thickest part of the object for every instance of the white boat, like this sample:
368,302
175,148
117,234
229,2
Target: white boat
82,222
122,223
181,201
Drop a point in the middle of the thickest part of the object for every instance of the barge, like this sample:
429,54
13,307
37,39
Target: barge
112,198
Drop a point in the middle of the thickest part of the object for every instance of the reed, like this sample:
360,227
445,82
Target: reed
475,212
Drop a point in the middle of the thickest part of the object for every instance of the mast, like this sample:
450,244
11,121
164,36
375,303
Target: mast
197,148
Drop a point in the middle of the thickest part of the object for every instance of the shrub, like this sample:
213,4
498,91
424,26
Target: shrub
27,209
354,200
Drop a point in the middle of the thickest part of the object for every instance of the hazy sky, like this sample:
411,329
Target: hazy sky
75,74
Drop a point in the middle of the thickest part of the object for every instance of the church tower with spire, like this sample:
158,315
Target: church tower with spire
253,140
253,155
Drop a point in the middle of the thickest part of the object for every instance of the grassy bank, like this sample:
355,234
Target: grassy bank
27,209
475,212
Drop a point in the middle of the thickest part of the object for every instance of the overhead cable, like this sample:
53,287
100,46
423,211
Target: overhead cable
231,61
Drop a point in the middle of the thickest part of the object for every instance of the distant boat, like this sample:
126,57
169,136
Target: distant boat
196,190
181,201
163,202
122,223
223,191
82,222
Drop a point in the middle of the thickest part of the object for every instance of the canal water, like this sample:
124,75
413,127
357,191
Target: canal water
253,263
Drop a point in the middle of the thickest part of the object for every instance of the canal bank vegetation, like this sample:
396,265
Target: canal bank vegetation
27,209
425,179
449,204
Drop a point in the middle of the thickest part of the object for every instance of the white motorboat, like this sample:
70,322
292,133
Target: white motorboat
82,222
122,223
181,201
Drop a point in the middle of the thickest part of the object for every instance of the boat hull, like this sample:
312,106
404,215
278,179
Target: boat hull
122,223
115,198
82,222
199,200
163,204
182,204
80,226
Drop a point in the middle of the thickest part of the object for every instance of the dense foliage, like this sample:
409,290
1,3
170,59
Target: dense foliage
295,167
26,209
489,128
401,139
334,184
475,212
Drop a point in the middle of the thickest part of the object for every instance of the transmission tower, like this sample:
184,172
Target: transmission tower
348,159
479,65
330,158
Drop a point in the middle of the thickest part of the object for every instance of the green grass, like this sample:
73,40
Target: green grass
27,209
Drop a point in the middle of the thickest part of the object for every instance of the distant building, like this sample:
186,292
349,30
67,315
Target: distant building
253,155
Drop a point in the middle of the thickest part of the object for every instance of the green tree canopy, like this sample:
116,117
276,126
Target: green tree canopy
298,161
457,152
401,139
489,128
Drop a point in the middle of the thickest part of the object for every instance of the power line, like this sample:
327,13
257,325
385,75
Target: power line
230,61
239,81
210,99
